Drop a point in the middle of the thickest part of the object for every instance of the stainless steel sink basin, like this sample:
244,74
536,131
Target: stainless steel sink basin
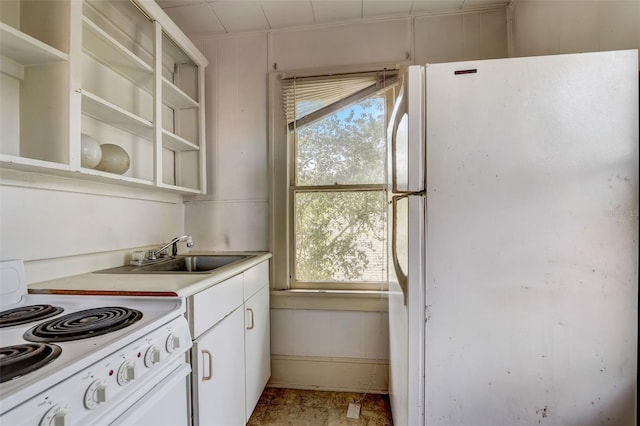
184,264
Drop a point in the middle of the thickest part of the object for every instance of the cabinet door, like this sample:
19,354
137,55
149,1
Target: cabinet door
218,373
257,347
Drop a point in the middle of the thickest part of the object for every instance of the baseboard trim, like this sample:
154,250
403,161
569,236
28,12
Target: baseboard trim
330,374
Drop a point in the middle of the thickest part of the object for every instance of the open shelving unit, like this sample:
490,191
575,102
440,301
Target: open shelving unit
174,97
107,50
114,71
107,112
26,50
19,50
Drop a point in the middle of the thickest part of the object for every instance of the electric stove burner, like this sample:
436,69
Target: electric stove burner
27,314
18,360
83,324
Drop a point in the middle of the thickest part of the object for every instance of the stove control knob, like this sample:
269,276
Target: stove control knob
173,343
126,373
95,395
152,356
57,415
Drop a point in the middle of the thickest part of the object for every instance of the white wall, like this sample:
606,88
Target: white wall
554,27
461,37
334,350
314,344
62,226
234,215
362,43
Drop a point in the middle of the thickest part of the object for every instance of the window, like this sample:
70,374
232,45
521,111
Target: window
336,134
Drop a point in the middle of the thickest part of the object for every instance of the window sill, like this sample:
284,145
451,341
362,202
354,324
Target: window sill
330,300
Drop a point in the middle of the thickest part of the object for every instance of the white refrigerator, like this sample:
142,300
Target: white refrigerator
514,242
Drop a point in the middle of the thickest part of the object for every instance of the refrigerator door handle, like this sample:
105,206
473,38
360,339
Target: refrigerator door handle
406,194
402,277
400,111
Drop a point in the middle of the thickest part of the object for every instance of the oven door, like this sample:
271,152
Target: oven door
164,404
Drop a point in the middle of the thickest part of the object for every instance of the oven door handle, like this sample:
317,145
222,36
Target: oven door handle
210,375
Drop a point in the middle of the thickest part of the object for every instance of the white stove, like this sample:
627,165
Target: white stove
92,360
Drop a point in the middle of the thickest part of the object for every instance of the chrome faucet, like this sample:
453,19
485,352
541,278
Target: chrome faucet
174,246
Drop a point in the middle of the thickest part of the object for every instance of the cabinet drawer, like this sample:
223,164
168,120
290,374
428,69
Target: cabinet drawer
213,304
256,278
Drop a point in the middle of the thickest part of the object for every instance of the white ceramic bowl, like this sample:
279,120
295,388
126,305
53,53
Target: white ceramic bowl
91,153
114,159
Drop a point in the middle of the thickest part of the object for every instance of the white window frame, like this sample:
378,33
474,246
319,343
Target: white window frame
282,190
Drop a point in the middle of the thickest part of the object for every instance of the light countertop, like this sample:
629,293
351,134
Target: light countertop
154,285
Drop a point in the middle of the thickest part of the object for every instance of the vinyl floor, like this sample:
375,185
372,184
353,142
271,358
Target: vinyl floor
319,408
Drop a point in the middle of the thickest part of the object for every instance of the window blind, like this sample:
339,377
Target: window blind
307,99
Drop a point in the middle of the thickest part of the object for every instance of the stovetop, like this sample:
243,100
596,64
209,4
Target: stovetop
77,354
125,320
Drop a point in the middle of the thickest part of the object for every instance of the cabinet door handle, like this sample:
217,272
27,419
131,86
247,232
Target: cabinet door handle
210,375
251,312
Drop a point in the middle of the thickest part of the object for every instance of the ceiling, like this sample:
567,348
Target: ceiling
215,17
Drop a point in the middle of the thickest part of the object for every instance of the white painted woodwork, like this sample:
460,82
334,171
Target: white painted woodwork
44,113
234,213
430,5
547,28
95,60
229,225
232,17
239,139
138,147
336,11
112,114
363,43
480,35
255,279
103,47
46,217
374,8
9,112
174,97
330,374
198,16
288,14
235,330
27,50
325,333
63,226
177,143
257,342
213,304
218,373
249,17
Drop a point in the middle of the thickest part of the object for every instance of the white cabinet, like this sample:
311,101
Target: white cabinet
231,356
34,82
118,73
257,347
218,397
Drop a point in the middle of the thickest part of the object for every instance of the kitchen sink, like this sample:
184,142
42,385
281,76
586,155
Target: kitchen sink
183,264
